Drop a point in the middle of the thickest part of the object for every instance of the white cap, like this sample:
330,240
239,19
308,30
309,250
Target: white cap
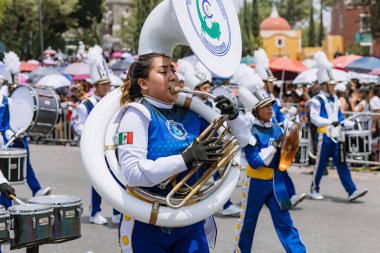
341,87
194,76
99,72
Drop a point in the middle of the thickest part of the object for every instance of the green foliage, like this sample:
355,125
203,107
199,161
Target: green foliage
356,48
306,34
131,27
321,32
294,10
311,32
20,29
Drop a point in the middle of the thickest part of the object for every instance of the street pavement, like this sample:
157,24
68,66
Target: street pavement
327,226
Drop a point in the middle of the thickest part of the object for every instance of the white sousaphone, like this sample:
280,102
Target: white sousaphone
211,29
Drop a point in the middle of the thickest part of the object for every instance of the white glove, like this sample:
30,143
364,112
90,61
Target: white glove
287,122
9,134
292,111
1,141
349,124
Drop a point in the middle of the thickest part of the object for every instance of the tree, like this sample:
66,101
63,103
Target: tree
321,34
294,10
311,32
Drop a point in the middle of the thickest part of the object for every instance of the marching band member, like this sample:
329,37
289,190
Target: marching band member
199,79
326,115
12,69
263,180
156,141
262,69
100,77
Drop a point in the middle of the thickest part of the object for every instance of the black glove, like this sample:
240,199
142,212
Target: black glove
226,107
335,123
7,190
201,152
277,143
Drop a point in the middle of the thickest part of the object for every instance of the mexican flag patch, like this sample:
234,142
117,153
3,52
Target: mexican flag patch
126,138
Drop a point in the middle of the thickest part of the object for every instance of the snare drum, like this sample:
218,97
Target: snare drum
30,225
67,212
358,143
302,156
36,110
13,164
4,219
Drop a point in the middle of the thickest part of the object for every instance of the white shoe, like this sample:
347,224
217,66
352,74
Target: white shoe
296,199
116,219
316,196
357,194
43,192
98,219
232,210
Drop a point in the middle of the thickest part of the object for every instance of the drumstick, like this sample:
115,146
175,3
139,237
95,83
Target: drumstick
14,137
19,201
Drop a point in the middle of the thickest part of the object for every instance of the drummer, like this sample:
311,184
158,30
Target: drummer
326,115
12,69
262,69
200,80
100,77
264,182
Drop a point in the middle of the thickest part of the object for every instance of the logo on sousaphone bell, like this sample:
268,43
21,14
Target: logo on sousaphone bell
210,22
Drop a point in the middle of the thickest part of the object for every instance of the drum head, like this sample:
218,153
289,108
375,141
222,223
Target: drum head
12,151
55,200
21,109
29,209
224,91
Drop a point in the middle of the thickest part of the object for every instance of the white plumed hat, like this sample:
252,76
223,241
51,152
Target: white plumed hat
11,66
262,65
324,73
99,72
193,75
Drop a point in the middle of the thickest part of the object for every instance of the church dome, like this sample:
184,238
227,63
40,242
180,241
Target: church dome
275,22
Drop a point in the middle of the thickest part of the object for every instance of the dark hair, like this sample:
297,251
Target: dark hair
138,69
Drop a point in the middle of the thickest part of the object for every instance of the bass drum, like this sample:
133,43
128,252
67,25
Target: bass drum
35,110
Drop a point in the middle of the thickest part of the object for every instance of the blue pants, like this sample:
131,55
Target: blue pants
31,179
326,149
150,238
96,200
289,184
256,193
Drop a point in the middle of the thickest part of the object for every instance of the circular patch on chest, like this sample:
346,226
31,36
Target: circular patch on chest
176,130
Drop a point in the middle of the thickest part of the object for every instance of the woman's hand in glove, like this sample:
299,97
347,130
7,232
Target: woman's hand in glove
226,107
7,190
202,152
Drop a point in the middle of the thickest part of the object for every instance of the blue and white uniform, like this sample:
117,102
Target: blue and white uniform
83,110
154,135
325,109
264,184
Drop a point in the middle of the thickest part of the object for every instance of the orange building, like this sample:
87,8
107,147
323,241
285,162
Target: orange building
278,37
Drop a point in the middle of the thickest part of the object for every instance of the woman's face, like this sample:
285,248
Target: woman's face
161,77
265,113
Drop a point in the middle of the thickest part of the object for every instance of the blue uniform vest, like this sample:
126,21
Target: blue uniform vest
171,131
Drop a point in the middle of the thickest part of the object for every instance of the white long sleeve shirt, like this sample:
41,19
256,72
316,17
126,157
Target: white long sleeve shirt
82,115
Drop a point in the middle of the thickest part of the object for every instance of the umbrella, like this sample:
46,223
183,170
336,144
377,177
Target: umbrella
375,72
55,81
121,65
37,74
364,64
286,64
22,78
115,80
310,63
363,78
28,67
81,77
50,51
77,68
116,54
342,61
310,76
35,62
